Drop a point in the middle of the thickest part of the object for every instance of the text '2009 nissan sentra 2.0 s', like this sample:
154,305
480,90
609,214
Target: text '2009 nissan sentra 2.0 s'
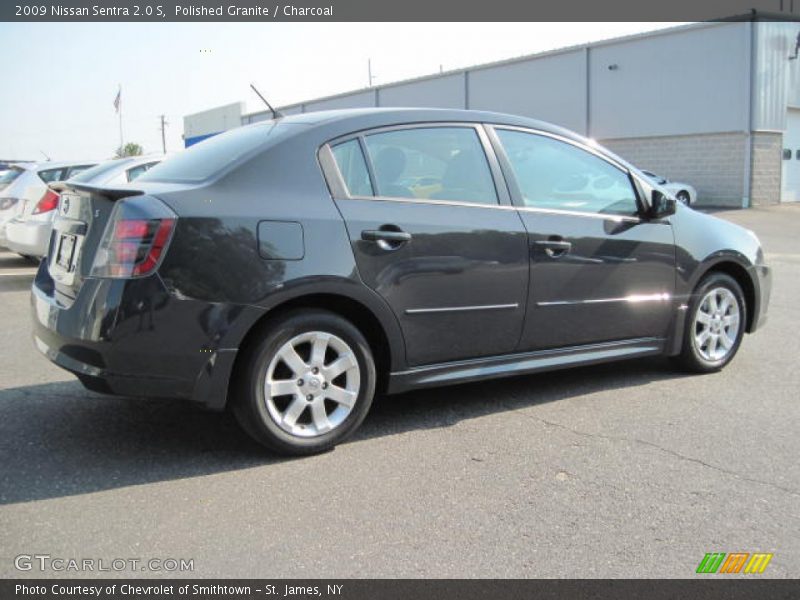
293,269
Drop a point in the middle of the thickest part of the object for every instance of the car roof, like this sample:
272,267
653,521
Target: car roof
377,117
338,123
45,165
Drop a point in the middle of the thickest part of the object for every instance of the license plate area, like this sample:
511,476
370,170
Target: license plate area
65,251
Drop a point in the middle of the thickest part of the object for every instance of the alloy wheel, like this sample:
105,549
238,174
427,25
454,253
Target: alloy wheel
716,324
312,384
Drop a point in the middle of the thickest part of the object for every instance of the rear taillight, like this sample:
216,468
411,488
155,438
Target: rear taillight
47,203
135,239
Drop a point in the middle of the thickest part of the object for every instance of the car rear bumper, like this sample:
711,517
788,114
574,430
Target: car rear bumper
28,237
131,338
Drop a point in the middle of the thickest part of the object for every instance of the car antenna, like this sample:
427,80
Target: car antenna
275,113
45,155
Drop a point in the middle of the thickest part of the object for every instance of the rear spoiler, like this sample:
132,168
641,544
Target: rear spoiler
112,193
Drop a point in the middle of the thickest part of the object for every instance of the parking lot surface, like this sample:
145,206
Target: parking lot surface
621,470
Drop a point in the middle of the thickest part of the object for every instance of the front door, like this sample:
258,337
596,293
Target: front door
431,236
599,272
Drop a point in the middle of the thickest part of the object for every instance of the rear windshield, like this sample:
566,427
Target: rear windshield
100,170
209,157
7,177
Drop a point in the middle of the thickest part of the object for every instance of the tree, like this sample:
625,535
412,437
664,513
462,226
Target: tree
130,149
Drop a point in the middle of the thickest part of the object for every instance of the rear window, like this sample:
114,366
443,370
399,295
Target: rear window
7,177
100,170
211,156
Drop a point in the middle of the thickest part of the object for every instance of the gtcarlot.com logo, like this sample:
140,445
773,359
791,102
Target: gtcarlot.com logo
720,562
46,562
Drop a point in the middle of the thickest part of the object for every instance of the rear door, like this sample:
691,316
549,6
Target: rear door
435,236
599,272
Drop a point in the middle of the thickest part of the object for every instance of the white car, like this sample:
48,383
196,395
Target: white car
28,232
682,191
23,190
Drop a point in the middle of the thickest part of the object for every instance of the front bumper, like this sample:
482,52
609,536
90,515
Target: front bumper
761,275
28,237
131,338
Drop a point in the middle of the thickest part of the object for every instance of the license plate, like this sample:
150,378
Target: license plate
66,249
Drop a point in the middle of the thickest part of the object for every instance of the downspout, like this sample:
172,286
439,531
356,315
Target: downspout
588,92
748,146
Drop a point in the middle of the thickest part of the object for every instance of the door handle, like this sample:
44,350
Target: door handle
388,237
554,248
377,235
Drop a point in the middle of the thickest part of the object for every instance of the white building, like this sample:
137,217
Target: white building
714,104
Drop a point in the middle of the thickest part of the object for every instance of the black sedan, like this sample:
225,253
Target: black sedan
292,269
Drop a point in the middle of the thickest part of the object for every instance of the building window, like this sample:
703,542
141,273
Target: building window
787,154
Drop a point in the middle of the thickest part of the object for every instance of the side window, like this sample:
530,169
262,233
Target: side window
77,169
557,175
51,175
353,168
438,163
134,172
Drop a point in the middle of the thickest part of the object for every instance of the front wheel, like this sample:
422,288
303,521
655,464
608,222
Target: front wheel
683,197
715,324
307,385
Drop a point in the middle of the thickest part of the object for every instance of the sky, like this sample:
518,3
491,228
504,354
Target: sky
60,79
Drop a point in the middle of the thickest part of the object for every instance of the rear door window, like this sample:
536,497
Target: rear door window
436,163
353,168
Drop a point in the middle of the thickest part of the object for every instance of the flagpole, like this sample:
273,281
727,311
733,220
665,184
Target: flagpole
121,140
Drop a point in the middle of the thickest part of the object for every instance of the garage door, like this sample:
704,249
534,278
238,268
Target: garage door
790,173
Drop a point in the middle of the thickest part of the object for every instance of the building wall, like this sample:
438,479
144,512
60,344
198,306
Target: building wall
201,125
551,88
691,81
701,103
355,100
712,163
765,178
776,78
446,91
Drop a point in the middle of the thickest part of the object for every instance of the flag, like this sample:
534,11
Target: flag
117,100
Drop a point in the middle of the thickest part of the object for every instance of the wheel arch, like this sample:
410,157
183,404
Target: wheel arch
733,267
375,321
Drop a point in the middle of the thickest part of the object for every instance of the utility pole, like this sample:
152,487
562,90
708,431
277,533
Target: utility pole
369,71
163,134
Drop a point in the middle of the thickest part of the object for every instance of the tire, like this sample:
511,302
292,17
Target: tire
305,420
708,343
683,197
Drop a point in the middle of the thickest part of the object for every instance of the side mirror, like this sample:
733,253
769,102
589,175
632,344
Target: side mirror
661,205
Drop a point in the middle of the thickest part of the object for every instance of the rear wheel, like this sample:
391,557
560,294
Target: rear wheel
307,385
715,324
683,196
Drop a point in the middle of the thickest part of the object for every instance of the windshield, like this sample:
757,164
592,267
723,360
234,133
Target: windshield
211,156
100,170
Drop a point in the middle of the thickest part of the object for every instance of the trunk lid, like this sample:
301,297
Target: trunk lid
78,227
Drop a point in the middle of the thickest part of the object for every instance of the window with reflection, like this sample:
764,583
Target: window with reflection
553,174
435,163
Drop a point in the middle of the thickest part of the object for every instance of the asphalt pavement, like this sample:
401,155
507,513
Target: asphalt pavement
622,470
